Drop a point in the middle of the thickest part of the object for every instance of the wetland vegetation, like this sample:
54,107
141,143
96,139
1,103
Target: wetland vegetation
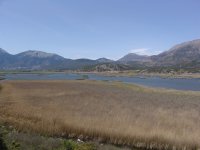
103,112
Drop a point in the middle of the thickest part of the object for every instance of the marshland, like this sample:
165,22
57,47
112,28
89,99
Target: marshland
99,75
103,112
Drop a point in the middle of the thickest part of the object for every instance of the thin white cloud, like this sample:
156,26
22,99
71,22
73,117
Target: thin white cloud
145,51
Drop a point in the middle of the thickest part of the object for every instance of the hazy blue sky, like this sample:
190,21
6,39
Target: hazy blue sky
97,28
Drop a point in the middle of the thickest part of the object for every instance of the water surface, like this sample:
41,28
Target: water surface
170,83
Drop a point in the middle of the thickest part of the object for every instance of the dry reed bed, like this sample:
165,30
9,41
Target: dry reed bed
109,112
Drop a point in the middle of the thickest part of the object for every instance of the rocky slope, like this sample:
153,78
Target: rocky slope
181,54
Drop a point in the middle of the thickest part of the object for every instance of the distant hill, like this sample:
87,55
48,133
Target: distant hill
39,54
38,60
106,67
2,51
104,60
80,63
181,54
5,59
134,57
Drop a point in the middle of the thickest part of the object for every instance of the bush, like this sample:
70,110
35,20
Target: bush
15,146
86,146
2,144
69,145
85,77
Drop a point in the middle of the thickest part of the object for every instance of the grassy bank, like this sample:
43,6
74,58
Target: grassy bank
105,112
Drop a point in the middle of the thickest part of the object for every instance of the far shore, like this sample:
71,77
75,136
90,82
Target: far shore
142,74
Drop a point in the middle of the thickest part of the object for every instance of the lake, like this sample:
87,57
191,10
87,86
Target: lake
169,83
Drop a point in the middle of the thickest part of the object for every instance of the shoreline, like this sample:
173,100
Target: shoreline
139,74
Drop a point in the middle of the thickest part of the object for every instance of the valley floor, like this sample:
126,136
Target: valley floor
103,112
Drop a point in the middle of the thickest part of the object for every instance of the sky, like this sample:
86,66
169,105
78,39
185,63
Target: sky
97,28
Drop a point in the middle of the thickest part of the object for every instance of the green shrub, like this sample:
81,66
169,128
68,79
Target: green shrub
69,145
85,77
15,146
2,144
86,146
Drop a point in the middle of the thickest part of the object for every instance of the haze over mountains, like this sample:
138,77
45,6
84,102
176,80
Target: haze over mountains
185,54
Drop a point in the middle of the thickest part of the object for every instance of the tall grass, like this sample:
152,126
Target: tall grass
106,112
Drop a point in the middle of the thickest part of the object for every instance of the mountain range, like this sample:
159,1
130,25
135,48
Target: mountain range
186,54
38,60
